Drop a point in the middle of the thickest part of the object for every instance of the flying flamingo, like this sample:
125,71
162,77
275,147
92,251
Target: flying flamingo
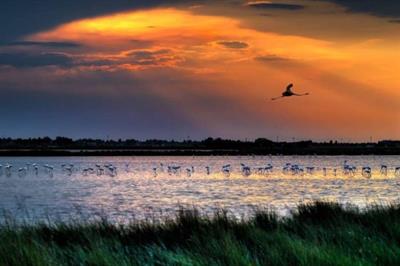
289,93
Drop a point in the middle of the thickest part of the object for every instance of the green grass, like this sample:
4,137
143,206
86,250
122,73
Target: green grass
320,233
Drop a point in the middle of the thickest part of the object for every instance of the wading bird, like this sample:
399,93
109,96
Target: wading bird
384,169
208,169
288,92
366,172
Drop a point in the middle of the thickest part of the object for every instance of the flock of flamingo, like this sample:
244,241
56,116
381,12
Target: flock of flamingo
288,169
109,169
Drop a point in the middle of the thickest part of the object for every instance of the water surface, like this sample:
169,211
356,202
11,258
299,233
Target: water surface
141,187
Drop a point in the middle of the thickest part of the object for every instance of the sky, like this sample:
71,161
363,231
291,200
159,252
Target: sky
171,69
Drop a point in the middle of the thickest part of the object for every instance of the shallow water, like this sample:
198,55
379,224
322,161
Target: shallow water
137,190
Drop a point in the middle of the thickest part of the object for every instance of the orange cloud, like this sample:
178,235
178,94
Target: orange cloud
190,36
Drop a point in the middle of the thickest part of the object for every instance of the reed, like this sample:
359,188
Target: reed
319,233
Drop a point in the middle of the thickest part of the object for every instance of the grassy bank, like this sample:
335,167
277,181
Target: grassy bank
316,234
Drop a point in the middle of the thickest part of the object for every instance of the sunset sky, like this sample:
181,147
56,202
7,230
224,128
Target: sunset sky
179,69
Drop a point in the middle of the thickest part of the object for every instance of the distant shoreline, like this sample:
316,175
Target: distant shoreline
62,146
188,152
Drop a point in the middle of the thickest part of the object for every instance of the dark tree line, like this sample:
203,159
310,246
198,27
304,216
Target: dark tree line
217,146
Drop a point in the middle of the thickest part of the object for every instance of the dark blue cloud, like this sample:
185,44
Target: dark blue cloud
24,60
384,8
31,59
275,6
42,44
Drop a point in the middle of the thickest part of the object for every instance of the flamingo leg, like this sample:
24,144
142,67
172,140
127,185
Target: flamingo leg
303,94
276,98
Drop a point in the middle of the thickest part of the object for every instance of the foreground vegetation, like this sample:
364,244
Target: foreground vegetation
316,234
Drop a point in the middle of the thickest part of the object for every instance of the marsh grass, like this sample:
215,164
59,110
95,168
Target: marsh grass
320,233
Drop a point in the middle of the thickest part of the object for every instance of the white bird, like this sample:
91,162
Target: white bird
324,170
49,169
8,170
174,169
208,169
366,172
246,170
155,171
397,171
188,172
36,169
226,170
310,169
266,169
288,92
384,169
22,171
